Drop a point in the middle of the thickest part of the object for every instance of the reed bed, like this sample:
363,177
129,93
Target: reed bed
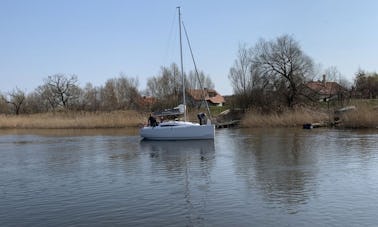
363,116
73,120
294,118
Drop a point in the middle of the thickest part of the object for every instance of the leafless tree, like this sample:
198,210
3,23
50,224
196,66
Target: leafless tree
240,73
48,98
195,82
120,93
16,99
59,90
34,103
283,64
127,92
108,96
90,98
166,87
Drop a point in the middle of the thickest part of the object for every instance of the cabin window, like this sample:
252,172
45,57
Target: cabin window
167,125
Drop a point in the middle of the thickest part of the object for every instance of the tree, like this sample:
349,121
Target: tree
241,78
3,104
240,74
270,74
166,87
16,99
332,74
108,96
90,98
59,90
127,92
119,93
282,64
195,82
34,103
366,84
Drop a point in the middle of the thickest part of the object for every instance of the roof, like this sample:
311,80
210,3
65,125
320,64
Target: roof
211,95
325,88
147,100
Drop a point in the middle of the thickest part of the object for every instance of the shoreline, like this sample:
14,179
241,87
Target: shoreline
73,120
359,119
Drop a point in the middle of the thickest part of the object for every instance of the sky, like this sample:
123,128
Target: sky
102,39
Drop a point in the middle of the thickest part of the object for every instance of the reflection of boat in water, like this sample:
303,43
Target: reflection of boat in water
178,146
179,151
187,162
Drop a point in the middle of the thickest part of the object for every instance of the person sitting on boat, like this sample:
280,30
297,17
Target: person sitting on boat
152,121
202,118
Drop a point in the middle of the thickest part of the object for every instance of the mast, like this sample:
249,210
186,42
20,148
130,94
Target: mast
182,65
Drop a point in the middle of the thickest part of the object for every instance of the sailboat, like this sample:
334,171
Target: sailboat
179,130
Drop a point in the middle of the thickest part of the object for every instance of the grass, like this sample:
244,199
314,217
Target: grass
73,120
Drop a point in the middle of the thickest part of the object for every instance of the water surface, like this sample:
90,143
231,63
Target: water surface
259,177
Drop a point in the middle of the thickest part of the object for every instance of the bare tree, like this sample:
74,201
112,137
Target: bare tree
166,87
332,74
127,92
16,99
283,64
90,99
48,98
195,82
34,103
240,75
108,96
60,90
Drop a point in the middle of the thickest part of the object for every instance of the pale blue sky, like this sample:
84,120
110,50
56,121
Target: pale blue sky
99,39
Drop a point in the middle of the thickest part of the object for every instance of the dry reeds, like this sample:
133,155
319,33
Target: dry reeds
73,120
292,118
363,116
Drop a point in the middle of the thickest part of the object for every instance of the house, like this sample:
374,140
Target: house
325,90
211,96
146,102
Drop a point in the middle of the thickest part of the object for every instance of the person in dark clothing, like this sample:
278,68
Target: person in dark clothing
152,121
201,118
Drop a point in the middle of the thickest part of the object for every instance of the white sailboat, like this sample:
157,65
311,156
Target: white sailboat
179,130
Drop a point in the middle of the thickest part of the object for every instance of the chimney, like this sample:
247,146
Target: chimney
324,79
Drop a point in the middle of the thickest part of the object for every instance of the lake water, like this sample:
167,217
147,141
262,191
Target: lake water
257,177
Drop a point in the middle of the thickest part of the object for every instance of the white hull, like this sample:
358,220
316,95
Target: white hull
178,130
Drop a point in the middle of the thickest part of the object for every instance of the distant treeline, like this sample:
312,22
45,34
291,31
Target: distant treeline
62,92
276,74
268,77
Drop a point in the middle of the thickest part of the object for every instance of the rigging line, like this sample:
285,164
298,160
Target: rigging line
171,39
196,71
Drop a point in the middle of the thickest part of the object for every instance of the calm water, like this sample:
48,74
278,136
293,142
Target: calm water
271,177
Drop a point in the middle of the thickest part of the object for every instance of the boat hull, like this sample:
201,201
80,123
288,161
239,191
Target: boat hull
178,131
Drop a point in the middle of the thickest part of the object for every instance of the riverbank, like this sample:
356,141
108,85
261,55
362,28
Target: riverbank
295,118
362,116
73,120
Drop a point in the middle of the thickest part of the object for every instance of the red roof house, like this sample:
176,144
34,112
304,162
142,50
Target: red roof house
213,98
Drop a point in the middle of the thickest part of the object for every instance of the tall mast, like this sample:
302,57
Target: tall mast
182,65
